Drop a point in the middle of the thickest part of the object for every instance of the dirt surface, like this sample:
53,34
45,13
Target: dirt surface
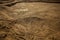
30,21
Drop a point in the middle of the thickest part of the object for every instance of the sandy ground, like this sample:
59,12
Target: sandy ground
30,21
